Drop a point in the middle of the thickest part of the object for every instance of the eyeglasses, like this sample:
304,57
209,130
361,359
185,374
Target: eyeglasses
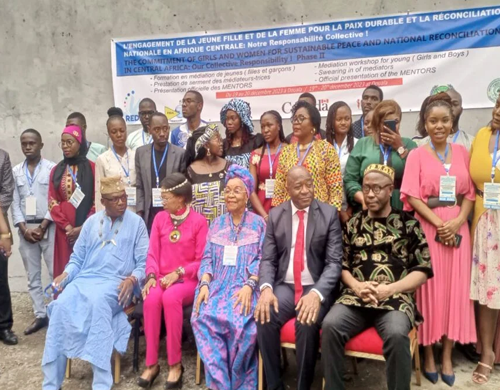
116,199
376,189
146,113
235,191
68,143
298,119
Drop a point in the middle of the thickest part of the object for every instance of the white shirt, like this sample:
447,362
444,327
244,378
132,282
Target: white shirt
343,153
138,138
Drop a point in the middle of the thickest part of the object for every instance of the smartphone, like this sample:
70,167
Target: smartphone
391,125
458,240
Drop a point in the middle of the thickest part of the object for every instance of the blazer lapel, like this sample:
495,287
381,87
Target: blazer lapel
288,226
311,225
170,159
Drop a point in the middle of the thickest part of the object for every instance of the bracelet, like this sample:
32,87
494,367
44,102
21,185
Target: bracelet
150,276
180,271
132,278
252,283
204,283
42,228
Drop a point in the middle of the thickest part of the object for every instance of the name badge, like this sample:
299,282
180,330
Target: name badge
270,188
447,185
77,197
491,196
131,196
157,201
30,206
230,255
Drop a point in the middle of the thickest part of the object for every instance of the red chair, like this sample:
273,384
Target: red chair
367,345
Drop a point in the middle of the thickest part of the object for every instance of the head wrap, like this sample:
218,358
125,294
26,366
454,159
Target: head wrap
236,172
75,132
210,131
111,185
379,168
242,108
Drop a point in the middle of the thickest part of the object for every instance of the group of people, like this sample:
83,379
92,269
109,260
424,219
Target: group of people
341,229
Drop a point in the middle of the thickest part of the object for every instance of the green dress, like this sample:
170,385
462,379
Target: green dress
367,152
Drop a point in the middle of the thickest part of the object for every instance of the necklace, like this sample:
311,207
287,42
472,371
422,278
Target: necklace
177,220
112,240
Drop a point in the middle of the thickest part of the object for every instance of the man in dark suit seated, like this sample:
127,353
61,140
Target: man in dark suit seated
299,270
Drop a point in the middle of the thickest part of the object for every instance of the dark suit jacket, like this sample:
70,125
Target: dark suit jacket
143,157
323,246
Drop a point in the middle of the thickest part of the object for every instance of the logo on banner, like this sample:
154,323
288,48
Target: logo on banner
171,114
493,90
131,107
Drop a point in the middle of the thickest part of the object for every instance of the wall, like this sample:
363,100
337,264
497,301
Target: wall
55,55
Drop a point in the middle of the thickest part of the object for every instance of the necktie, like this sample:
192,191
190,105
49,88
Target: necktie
298,257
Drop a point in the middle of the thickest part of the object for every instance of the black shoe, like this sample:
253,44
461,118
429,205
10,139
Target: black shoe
175,385
469,351
8,337
38,324
146,384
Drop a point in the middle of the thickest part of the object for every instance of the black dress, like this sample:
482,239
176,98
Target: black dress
241,155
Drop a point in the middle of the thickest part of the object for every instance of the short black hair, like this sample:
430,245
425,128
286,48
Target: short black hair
157,113
198,95
175,179
32,131
148,100
311,110
375,88
308,95
77,115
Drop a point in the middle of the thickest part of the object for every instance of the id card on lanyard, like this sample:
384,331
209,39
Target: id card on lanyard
447,184
270,183
156,192
491,195
78,195
30,201
131,192
386,152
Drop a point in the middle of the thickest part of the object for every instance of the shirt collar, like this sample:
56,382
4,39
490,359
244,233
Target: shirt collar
295,209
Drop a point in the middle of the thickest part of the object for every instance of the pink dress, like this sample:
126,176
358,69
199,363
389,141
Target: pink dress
443,300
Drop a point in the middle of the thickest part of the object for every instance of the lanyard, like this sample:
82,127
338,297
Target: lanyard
271,162
362,126
440,156
495,158
157,168
338,149
31,179
385,152
73,176
455,137
301,160
237,230
126,171
144,141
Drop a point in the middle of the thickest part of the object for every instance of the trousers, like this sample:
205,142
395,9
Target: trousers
171,300
6,319
307,339
53,375
32,260
344,322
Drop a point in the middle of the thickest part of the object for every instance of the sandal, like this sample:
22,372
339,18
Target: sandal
484,378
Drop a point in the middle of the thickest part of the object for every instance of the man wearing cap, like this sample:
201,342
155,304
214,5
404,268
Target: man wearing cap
106,268
386,258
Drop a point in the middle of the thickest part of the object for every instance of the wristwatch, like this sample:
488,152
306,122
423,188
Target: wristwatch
401,150
180,271
5,235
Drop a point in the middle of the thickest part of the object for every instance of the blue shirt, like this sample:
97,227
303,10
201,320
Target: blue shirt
180,135
39,189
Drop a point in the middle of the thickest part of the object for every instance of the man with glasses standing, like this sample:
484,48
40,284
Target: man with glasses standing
152,164
192,106
30,214
141,137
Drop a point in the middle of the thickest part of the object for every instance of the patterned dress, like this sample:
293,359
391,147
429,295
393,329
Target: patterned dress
241,154
226,339
323,164
208,193
385,250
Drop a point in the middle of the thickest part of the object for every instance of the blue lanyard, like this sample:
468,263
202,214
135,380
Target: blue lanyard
127,173
31,179
495,159
301,160
385,152
455,137
271,162
157,169
362,126
338,149
440,156
73,176
144,141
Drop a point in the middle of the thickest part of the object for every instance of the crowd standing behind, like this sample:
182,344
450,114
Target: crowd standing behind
340,229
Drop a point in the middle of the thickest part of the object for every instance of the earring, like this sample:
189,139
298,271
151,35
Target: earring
313,131
208,153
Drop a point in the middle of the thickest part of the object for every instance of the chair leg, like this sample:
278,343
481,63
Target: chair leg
117,367
137,334
285,358
355,365
198,369
418,373
261,373
68,368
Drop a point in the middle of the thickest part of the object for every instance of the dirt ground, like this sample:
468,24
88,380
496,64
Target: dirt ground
20,365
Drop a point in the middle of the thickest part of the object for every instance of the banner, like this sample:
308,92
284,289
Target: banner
408,56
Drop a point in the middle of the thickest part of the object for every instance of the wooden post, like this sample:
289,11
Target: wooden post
68,368
198,369
261,372
117,367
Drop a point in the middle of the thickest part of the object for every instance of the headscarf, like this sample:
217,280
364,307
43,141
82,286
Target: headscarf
237,172
85,176
379,168
242,108
207,135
